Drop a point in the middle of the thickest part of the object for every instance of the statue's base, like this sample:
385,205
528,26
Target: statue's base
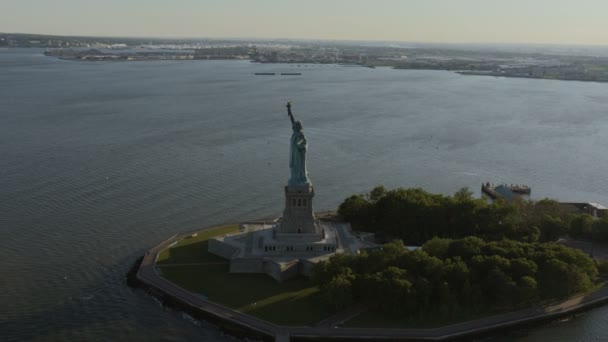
317,235
257,248
298,217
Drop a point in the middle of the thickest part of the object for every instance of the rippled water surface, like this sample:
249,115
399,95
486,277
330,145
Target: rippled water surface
100,161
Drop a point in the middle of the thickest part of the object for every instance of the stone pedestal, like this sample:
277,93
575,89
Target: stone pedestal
298,221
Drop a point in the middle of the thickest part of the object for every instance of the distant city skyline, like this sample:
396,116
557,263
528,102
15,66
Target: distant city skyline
434,21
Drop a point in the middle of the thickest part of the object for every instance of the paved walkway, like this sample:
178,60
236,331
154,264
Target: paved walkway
195,264
341,317
148,275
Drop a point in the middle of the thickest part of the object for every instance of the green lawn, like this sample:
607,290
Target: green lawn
294,302
193,249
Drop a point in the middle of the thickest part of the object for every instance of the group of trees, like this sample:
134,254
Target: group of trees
476,256
448,279
416,216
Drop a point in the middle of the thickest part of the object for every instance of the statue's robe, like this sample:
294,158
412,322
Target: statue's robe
297,159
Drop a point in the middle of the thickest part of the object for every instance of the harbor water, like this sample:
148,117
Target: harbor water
101,160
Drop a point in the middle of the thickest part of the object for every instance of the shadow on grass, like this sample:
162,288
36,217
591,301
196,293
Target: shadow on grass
294,302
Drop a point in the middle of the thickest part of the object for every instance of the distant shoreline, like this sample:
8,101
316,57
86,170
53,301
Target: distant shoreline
498,74
483,68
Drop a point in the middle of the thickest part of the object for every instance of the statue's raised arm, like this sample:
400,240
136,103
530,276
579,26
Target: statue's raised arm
289,113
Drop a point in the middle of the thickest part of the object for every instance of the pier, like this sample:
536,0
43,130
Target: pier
504,191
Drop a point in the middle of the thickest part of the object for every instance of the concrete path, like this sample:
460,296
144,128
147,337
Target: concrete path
346,242
195,264
341,317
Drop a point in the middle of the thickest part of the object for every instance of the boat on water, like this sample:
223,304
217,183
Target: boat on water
265,73
291,73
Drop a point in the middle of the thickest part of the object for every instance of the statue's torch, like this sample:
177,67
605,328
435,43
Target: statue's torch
289,111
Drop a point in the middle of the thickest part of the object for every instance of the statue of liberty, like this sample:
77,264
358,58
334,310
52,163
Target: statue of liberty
297,155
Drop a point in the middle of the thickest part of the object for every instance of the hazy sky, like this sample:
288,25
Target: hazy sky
485,21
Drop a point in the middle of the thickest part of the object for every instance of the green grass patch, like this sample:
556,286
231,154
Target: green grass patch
189,265
193,249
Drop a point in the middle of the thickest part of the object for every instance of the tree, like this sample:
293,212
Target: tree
602,268
339,291
422,264
527,290
393,251
481,266
553,282
324,271
463,195
499,288
456,272
476,256
471,277
551,228
545,207
530,234
581,226
417,216
377,194
600,229
390,290
522,267
437,247
465,248
356,210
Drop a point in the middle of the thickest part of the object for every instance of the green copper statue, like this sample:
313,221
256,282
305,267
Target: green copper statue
297,155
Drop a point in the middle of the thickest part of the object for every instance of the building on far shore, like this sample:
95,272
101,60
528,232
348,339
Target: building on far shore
593,209
288,246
